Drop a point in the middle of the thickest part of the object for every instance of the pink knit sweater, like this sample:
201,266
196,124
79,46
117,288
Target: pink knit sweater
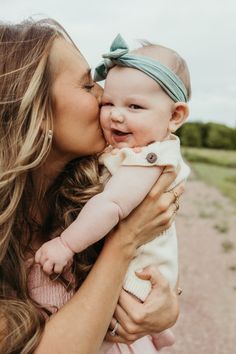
51,294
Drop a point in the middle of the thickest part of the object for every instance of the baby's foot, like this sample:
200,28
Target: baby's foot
163,339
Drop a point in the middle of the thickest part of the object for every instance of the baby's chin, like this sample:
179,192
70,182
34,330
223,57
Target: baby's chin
121,145
124,142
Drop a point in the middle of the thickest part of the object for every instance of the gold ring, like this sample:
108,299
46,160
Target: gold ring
176,201
179,291
175,194
113,332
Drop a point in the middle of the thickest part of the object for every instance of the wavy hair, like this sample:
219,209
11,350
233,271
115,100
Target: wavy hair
25,102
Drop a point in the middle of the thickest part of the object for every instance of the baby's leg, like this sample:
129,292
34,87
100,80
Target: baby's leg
163,339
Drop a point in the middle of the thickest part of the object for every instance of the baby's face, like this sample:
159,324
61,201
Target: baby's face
135,110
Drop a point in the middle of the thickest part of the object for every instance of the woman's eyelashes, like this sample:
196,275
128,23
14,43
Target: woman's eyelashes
106,104
89,87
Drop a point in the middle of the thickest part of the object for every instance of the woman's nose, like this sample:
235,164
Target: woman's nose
116,115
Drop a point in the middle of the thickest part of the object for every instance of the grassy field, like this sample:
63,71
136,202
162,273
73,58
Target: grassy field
215,167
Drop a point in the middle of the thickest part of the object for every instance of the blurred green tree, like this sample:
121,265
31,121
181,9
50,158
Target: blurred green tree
209,135
219,136
191,134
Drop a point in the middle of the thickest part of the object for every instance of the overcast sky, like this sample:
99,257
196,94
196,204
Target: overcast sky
202,31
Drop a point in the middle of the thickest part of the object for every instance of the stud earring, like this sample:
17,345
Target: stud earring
50,134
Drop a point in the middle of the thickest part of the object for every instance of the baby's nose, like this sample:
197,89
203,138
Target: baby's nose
116,115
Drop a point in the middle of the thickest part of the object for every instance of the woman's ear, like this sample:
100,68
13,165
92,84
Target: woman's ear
179,115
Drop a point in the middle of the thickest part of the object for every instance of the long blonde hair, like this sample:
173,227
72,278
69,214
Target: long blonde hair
25,102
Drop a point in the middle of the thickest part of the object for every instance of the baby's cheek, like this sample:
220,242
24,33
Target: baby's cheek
106,134
104,117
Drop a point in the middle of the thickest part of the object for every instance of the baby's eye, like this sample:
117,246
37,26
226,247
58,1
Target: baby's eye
135,106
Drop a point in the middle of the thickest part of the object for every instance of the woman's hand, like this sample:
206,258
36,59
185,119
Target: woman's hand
135,319
155,214
160,310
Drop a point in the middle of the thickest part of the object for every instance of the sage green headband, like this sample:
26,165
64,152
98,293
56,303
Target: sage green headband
119,55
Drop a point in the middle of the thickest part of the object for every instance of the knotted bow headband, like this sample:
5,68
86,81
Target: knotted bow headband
119,55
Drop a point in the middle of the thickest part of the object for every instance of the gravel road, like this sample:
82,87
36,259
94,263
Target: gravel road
206,226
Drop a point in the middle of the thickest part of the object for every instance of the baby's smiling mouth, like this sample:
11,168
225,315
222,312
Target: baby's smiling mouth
119,132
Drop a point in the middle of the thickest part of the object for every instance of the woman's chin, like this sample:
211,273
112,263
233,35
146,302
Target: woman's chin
101,146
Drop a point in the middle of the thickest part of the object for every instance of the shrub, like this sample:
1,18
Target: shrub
219,137
209,135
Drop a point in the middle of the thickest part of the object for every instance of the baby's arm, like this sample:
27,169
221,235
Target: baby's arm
123,192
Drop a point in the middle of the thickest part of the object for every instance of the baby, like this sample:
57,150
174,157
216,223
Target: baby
144,103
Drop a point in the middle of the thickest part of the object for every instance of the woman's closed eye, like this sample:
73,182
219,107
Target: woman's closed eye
89,87
106,104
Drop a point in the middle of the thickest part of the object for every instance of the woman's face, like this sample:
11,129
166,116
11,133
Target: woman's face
76,130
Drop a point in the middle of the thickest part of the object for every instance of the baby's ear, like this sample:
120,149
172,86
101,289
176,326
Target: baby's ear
180,113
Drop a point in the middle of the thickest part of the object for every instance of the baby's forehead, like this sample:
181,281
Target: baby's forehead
123,80
123,74
162,54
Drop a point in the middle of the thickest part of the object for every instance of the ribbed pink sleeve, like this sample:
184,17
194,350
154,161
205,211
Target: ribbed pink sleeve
48,293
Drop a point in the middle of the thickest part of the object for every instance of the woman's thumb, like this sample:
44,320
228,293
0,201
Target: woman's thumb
143,274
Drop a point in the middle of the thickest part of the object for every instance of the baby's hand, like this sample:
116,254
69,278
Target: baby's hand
53,256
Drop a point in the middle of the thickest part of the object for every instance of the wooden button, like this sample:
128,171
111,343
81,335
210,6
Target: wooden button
151,157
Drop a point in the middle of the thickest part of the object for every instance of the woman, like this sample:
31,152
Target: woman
49,130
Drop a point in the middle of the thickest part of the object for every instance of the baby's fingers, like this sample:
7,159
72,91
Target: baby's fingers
58,268
48,267
41,256
38,256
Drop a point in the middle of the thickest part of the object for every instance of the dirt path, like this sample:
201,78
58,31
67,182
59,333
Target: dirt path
206,226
